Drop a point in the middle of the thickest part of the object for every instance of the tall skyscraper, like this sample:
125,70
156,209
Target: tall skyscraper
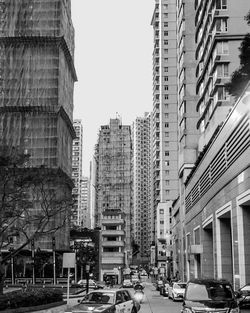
114,196
209,35
85,203
142,187
36,87
77,172
187,118
165,159
219,30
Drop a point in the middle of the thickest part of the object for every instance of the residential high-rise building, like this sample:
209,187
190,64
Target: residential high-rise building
36,88
114,198
204,213
219,30
92,192
187,119
142,187
165,158
85,203
76,217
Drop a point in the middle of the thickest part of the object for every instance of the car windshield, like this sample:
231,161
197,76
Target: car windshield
179,286
99,297
246,288
216,292
84,281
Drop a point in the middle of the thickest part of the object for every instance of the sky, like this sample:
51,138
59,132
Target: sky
113,61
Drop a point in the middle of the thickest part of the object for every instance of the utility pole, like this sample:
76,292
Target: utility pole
54,258
87,277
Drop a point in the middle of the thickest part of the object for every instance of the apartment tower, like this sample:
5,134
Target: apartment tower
85,203
205,211
36,88
187,120
219,30
77,172
114,199
165,159
142,188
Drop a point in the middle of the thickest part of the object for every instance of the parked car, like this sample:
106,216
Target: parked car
82,283
176,290
209,295
107,301
243,295
127,283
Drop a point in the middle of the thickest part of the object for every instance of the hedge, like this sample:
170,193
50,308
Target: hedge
30,297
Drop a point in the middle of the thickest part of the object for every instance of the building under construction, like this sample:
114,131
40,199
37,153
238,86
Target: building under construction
114,200
37,77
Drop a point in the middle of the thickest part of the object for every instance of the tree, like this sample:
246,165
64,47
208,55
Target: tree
241,76
34,202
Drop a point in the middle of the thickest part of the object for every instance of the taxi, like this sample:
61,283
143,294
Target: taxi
107,301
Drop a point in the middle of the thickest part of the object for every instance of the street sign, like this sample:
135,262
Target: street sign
69,260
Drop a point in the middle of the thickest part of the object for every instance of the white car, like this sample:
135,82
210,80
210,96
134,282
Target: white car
176,290
82,283
127,283
106,301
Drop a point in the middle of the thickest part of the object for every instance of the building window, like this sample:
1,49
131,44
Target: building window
197,236
222,93
222,70
221,25
222,47
221,4
161,211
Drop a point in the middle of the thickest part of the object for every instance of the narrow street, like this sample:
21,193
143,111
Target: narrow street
155,303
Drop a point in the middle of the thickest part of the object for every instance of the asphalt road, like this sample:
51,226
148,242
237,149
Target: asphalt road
153,302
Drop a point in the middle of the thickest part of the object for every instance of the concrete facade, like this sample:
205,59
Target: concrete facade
77,172
114,197
142,187
164,155
217,204
209,35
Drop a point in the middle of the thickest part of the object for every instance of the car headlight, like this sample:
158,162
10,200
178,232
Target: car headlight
187,310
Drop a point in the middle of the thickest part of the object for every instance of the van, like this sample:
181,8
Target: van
209,295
